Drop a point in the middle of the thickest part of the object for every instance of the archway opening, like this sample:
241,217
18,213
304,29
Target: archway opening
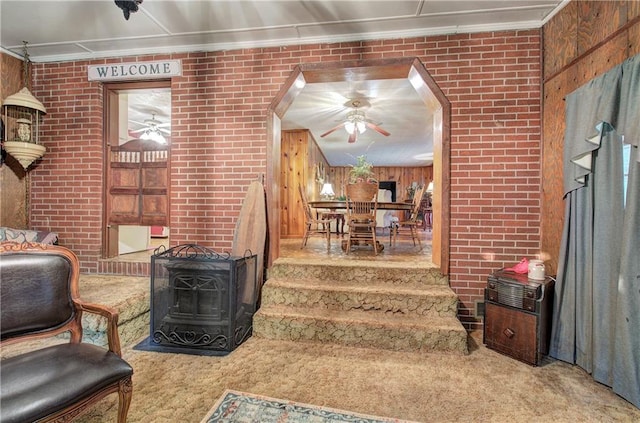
433,98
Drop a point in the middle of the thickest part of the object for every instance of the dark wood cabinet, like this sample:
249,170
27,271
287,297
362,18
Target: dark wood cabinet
517,320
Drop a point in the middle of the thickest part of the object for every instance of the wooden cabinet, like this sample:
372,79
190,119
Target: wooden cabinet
517,319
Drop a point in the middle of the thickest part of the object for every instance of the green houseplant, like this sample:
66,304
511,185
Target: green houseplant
363,185
362,171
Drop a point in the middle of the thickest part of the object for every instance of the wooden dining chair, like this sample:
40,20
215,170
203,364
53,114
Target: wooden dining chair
361,218
412,222
313,224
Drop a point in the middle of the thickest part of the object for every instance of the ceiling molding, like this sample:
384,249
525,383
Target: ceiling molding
182,27
284,42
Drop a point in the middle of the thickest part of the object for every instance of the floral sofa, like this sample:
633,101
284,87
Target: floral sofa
25,235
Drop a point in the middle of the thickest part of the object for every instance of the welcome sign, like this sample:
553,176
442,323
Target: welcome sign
134,70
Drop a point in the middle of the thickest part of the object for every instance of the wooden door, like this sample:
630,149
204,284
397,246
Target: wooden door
138,181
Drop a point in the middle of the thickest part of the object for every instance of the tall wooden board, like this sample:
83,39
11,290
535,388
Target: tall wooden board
251,230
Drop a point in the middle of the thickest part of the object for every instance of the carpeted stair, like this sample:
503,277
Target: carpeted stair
128,295
386,305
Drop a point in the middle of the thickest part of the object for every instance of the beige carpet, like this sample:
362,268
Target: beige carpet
483,386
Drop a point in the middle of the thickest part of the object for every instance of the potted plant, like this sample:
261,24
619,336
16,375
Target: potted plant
362,171
363,185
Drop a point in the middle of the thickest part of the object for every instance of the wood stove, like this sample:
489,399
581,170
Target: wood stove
202,302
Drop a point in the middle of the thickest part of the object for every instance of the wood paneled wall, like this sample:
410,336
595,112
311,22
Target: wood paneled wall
403,176
13,178
584,40
300,159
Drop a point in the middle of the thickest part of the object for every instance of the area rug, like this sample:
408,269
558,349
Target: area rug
240,407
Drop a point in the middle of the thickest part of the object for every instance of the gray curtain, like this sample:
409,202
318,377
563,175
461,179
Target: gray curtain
596,318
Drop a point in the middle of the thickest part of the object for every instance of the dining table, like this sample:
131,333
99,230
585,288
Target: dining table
334,205
342,204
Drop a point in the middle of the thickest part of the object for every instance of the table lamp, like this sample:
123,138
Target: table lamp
327,192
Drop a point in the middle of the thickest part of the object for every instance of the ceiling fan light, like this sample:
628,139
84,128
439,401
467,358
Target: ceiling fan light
361,126
157,137
153,135
350,127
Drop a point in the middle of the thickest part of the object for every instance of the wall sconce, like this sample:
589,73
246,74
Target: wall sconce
327,192
22,116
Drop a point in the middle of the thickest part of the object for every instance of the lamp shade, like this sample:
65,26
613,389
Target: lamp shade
430,187
327,191
350,127
24,98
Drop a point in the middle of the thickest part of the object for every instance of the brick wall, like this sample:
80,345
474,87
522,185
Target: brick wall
219,144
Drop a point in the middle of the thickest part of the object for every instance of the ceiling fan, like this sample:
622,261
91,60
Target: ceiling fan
152,129
356,123
152,124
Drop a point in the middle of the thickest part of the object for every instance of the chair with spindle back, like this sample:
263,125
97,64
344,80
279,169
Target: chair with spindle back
413,221
313,225
361,216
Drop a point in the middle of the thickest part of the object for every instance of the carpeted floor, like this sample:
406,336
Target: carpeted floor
484,386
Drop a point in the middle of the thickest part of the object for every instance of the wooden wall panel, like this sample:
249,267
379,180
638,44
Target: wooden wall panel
552,153
633,10
601,60
299,159
607,33
560,43
294,149
317,167
597,20
13,178
404,177
634,37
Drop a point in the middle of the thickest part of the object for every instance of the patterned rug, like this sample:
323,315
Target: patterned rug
240,407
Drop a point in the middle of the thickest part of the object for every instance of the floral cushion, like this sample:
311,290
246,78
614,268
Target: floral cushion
24,235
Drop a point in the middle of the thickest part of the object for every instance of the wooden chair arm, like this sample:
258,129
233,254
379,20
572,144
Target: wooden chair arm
111,315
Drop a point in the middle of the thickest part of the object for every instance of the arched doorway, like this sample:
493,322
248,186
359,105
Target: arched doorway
429,92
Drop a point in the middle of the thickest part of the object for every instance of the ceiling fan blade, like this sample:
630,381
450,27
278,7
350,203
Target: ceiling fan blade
353,136
162,125
136,122
377,128
335,128
166,131
138,130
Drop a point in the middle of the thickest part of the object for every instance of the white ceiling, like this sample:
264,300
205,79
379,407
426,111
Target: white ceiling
393,104
64,30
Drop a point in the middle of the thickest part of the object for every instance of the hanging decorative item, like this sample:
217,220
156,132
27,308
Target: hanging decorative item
22,116
320,173
128,7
